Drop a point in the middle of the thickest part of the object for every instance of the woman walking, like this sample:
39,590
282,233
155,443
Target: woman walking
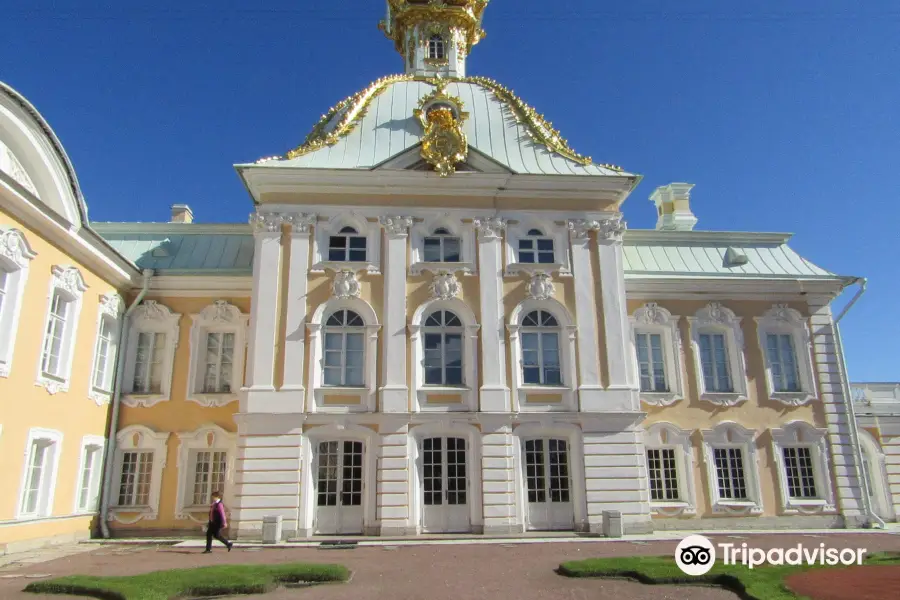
217,522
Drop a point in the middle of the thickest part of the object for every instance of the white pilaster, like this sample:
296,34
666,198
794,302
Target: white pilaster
264,303
590,389
622,385
267,473
394,392
295,332
845,465
616,474
393,480
494,392
498,476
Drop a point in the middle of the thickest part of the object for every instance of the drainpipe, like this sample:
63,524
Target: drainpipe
109,460
861,473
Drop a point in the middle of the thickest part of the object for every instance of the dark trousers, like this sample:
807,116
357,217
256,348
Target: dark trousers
214,530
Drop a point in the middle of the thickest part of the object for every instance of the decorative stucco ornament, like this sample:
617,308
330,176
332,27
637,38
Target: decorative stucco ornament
345,285
611,229
219,311
444,144
652,314
152,310
396,225
540,287
719,313
444,286
489,227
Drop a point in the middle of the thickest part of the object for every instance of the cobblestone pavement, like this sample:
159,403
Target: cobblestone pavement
451,572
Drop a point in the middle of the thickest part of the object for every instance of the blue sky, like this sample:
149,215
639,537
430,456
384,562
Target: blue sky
783,113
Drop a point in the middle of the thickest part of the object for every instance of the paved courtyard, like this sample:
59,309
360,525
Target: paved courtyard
435,572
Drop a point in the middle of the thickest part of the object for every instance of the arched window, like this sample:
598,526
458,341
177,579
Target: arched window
442,246
443,362
536,248
344,352
540,349
436,47
347,246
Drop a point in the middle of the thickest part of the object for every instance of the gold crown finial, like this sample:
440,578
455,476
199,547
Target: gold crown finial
463,17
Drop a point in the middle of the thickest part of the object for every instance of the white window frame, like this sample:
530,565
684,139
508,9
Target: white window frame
558,233
68,282
325,229
109,311
716,318
468,391
218,317
99,444
150,317
799,434
317,392
15,257
780,320
207,438
49,472
661,436
567,332
654,319
136,438
728,434
422,229
432,45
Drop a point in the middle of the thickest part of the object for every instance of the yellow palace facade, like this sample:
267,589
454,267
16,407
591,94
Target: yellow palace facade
435,321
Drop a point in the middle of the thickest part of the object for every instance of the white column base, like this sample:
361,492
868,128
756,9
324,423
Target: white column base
495,399
394,399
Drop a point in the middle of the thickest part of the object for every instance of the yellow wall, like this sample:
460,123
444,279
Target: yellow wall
25,405
758,412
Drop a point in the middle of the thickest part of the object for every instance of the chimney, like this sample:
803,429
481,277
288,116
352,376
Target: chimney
181,213
673,207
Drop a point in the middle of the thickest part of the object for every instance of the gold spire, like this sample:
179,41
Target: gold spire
459,18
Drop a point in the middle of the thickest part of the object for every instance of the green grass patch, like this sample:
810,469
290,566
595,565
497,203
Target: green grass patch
759,583
217,580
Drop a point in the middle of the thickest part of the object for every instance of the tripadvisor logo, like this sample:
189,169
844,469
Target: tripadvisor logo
696,555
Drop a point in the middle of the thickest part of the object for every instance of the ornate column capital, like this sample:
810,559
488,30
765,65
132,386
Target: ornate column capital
580,229
300,222
489,228
396,225
268,222
611,230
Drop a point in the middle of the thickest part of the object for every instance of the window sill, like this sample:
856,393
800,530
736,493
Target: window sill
445,388
517,267
336,265
101,397
723,398
737,506
213,400
792,398
417,268
52,383
143,400
530,387
672,508
660,398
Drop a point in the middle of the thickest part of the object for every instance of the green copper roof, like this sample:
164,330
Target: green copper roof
183,248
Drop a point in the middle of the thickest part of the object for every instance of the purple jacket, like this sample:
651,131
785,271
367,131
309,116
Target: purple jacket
217,514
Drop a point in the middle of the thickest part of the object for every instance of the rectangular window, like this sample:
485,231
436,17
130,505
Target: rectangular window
209,475
798,468
344,248
714,362
663,474
443,359
148,365
37,478
651,363
441,249
219,363
536,250
134,483
782,362
89,482
343,359
540,359
730,473
51,359
104,353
